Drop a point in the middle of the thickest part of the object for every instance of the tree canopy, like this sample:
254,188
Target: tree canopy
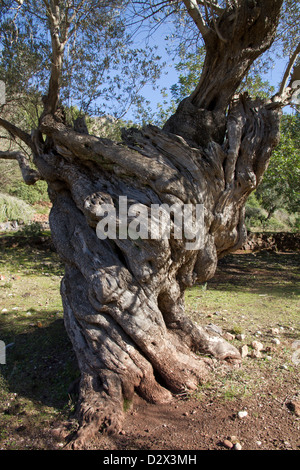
102,69
91,57
280,187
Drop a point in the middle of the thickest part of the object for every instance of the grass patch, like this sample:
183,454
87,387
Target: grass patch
256,296
12,208
40,363
250,291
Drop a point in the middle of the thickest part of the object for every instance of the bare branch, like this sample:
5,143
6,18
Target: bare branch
17,132
195,14
30,176
216,8
288,70
285,94
211,5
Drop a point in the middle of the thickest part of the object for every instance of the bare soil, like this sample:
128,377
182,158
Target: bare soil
206,425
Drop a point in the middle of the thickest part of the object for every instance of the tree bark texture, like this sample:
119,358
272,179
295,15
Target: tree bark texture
124,299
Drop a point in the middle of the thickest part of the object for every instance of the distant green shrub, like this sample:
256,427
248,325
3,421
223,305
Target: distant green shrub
257,219
32,229
30,194
297,224
12,208
254,213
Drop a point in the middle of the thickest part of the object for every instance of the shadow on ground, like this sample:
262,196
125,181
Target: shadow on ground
40,362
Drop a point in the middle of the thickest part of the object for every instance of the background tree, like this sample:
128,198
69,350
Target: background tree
124,298
96,56
189,68
280,187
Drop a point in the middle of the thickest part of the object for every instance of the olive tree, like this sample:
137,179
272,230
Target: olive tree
124,284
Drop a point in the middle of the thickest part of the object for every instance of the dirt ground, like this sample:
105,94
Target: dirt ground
207,424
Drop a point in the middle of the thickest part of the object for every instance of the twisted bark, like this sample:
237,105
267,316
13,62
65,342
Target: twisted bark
124,298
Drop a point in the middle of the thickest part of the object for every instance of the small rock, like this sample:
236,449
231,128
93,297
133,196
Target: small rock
274,331
228,444
228,336
234,439
241,337
237,446
4,310
257,345
242,414
295,407
275,341
256,354
244,351
258,443
216,329
60,432
56,432
257,333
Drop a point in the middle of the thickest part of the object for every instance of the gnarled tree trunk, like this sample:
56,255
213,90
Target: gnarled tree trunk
124,298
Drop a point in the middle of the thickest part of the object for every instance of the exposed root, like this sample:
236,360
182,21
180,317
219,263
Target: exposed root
100,408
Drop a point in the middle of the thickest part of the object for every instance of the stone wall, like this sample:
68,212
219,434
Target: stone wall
277,241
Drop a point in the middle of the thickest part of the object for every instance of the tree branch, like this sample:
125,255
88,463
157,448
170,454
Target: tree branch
285,94
58,45
17,132
211,5
288,70
30,176
195,14
216,8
